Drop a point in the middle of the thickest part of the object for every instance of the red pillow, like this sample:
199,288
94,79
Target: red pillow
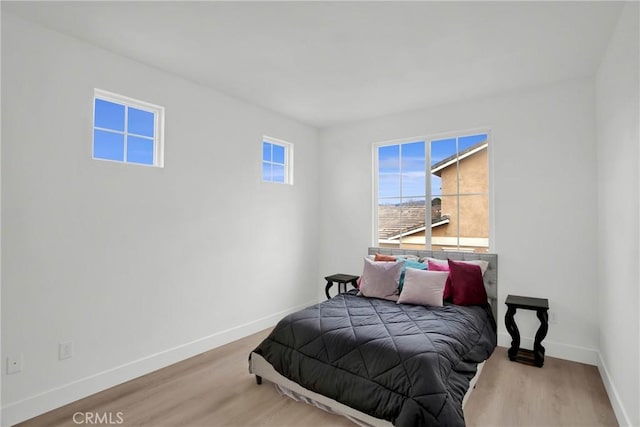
433,266
467,285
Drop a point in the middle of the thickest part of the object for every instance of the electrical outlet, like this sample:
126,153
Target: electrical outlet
15,364
65,350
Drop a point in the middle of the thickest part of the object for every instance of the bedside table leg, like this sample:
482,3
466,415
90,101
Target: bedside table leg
326,288
538,349
512,328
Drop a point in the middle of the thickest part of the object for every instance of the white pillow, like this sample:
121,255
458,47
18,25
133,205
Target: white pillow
423,287
380,279
481,263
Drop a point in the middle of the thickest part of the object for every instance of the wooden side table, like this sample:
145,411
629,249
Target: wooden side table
341,280
541,307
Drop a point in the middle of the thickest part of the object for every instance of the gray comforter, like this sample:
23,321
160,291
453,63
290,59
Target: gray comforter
407,364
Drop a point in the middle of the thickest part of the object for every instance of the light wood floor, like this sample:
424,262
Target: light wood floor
216,389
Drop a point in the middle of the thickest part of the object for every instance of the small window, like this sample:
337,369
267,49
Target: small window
127,130
277,161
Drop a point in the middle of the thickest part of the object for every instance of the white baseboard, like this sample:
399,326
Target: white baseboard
555,349
612,392
33,406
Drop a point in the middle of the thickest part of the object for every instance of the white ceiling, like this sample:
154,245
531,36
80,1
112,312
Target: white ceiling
326,63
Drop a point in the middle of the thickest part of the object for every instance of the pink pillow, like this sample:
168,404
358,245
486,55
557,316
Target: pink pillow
467,285
423,287
445,263
436,266
380,279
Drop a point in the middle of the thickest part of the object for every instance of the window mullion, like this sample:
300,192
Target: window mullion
126,129
401,199
427,191
140,136
458,192
109,130
271,162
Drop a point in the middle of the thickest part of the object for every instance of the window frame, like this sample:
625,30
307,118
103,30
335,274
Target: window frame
288,160
127,102
428,139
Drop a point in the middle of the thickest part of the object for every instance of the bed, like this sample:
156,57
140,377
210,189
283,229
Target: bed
380,363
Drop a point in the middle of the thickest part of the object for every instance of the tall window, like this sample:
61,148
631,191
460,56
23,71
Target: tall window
277,161
127,130
442,206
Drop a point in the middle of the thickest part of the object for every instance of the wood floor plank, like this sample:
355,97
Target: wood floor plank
561,393
216,389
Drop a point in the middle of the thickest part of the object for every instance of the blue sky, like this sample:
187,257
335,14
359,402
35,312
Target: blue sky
273,164
109,133
402,168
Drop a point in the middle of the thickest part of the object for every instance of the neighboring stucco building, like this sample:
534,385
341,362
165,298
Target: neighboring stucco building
462,210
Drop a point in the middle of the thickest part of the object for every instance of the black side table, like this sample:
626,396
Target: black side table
342,280
541,307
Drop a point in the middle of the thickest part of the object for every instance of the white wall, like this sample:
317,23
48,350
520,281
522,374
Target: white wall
543,175
138,266
618,137
0,228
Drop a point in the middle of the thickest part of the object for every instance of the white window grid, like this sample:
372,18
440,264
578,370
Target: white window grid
428,195
158,114
288,159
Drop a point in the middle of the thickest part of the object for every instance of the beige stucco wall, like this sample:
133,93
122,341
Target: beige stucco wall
472,206
474,209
